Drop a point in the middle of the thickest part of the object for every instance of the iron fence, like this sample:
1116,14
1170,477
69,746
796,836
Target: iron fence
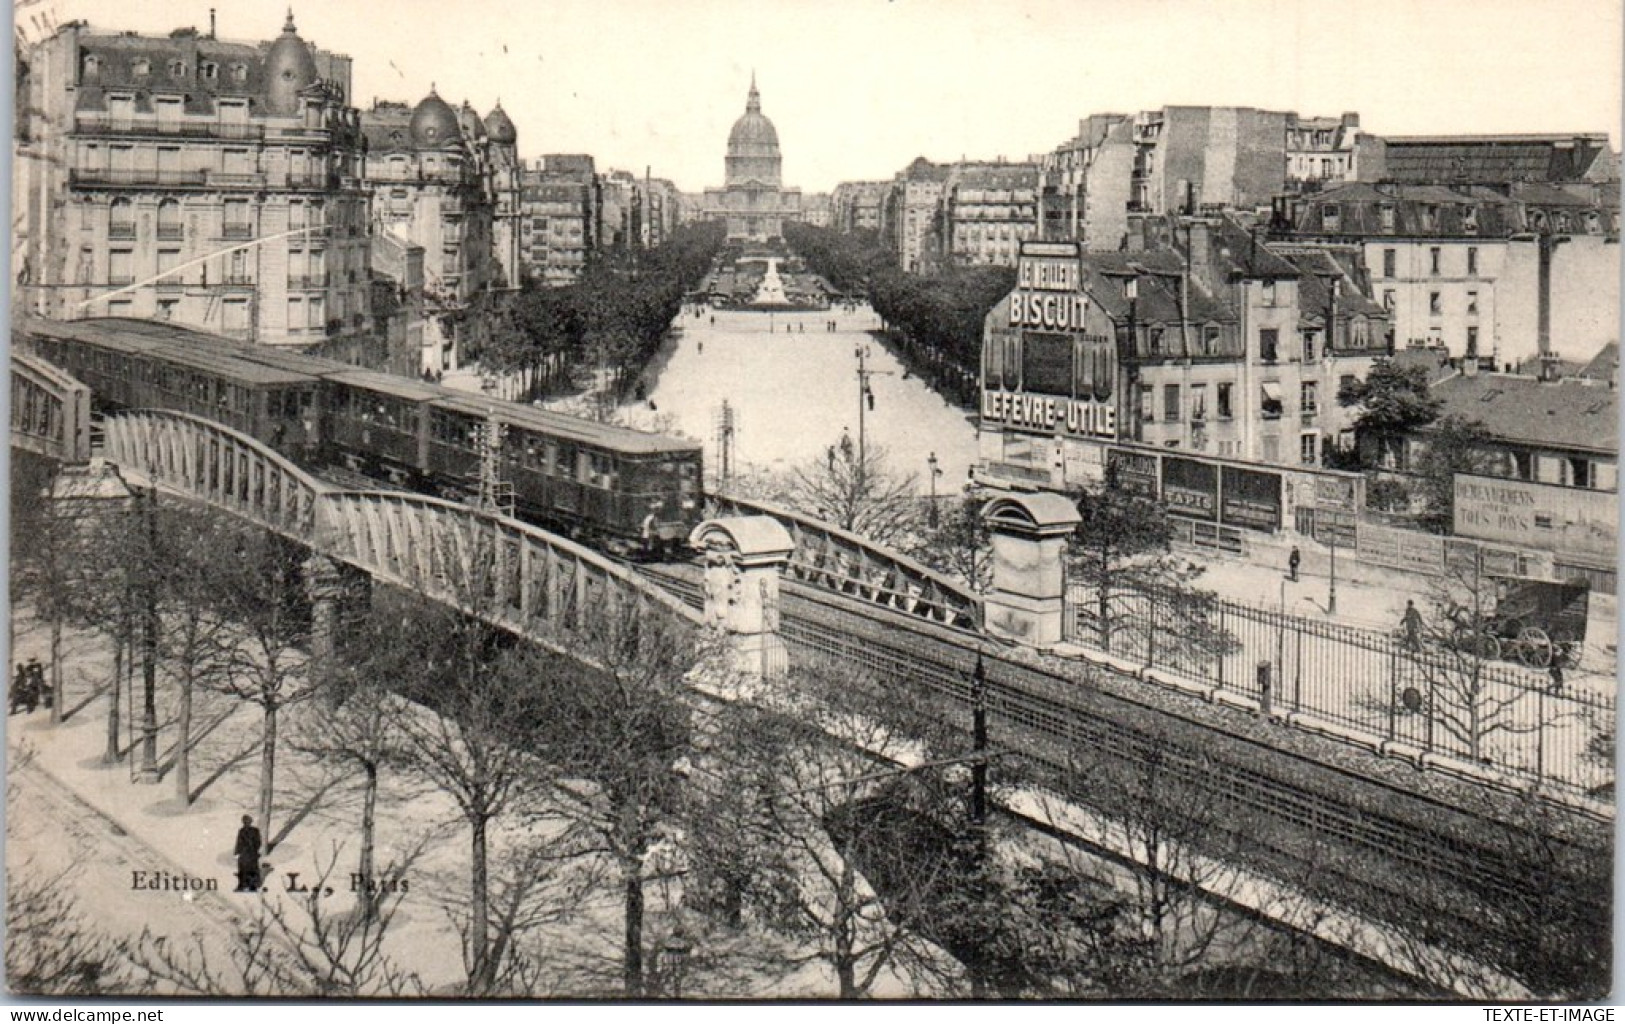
1426,698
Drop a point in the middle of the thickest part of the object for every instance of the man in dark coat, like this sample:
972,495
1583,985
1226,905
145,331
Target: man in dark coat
248,856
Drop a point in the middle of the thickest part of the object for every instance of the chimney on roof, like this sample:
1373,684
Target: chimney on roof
1549,367
211,23
1351,119
1199,258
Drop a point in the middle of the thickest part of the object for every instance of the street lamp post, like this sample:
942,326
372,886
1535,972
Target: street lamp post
1331,592
936,471
866,401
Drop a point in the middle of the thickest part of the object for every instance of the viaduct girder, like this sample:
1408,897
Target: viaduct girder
838,560
507,572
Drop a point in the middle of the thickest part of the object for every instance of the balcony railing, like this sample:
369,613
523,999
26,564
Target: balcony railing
119,280
237,179
237,281
307,282
173,129
310,179
121,231
171,232
143,176
237,231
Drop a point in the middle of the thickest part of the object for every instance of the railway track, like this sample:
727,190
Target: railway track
1463,877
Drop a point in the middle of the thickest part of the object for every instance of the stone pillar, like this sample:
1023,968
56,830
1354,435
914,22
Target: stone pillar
744,557
1029,534
338,593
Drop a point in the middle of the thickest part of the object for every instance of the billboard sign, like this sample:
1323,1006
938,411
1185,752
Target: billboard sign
1132,471
1251,499
1190,488
1571,521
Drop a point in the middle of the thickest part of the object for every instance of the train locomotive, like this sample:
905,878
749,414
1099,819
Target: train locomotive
632,492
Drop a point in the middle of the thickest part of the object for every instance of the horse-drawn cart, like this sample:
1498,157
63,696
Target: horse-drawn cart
1537,622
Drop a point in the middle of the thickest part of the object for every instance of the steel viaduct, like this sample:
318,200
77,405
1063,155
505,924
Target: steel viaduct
1425,854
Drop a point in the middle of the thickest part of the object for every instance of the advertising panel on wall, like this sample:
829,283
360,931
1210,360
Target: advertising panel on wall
1132,471
1574,522
1190,488
1045,372
1251,499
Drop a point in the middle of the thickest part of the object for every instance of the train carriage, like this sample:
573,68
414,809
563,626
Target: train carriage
129,365
630,490
379,423
598,480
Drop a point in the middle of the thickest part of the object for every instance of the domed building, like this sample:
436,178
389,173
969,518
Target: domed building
252,240
440,186
753,200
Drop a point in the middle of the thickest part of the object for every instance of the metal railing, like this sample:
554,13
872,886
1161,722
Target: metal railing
143,176
237,231
121,232
171,232
238,179
183,129
310,179
1426,699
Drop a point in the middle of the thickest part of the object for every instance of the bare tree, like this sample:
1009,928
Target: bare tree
310,951
1453,673
798,807
50,948
358,729
1154,809
620,731
856,491
196,637
259,586
960,544
475,738
1136,591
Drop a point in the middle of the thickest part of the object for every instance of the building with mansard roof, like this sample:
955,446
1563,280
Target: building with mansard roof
1501,272
210,183
441,183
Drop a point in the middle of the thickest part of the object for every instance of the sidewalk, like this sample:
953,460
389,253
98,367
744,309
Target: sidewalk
190,860
118,826
1369,596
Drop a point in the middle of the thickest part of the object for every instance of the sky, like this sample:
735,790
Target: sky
858,88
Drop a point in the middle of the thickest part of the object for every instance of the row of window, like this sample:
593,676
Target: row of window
1270,401
1390,261
176,69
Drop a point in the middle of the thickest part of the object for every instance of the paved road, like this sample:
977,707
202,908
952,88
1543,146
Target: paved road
54,838
793,386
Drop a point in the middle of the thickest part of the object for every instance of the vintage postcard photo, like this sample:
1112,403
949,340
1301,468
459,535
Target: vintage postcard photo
858,500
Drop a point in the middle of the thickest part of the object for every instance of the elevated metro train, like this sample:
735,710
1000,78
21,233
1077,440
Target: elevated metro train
632,491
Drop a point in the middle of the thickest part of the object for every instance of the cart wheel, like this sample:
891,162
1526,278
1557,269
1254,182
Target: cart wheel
1535,647
1488,647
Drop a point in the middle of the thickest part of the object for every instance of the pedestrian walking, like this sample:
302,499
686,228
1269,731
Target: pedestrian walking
1412,623
21,683
248,856
1292,561
36,691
